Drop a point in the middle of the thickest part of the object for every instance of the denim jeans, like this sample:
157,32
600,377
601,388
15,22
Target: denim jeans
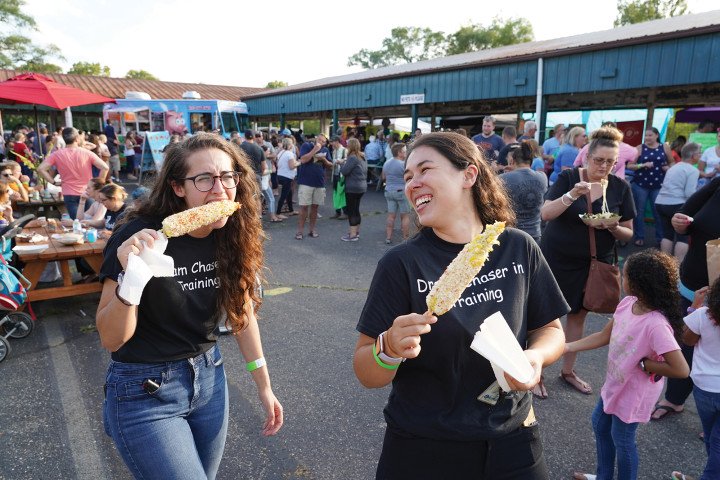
641,196
269,200
708,407
71,204
176,431
614,439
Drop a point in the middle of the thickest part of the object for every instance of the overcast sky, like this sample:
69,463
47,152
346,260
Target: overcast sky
248,44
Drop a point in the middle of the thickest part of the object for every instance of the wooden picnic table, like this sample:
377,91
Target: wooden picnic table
35,264
52,206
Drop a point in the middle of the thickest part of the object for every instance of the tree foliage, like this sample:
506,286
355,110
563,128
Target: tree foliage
637,11
276,84
140,75
90,68
413,44
16,49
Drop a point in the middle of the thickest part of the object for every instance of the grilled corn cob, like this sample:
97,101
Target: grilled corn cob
463,269
194,218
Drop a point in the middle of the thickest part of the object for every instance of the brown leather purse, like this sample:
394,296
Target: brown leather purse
602,288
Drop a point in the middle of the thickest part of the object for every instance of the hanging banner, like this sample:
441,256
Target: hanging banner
156,142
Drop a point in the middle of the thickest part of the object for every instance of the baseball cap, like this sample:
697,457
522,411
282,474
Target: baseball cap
286,132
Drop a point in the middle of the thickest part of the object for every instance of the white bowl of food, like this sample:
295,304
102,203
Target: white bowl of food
597,219
70,239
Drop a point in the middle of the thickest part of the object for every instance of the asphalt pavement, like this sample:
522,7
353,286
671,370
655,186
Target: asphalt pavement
51,383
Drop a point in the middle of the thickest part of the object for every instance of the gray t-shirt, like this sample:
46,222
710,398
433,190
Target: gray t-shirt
680,182
526,189
355,171
394,171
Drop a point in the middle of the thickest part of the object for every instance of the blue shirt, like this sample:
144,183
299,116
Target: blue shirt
374,152
565,158
551,146
109,132
538,164
311,173
489,145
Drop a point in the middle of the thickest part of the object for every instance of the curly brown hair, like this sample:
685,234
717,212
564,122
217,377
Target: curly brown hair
489,195
652,277
713,301
241,272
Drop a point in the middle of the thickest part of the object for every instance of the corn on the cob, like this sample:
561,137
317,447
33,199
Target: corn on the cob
194,218
463,269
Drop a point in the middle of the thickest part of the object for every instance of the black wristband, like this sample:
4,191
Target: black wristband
122,300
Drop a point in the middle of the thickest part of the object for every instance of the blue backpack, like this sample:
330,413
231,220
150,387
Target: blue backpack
13,287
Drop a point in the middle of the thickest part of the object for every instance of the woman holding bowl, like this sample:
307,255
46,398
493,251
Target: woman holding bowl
566,242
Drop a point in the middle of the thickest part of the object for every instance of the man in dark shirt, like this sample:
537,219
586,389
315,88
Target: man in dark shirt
254,153
112,144
488,141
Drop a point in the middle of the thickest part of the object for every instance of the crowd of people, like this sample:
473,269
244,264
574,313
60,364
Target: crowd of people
446,411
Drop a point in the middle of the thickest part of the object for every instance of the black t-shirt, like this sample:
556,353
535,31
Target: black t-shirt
256,155
704,207
503,154
112,217
177,315
567,235
435,395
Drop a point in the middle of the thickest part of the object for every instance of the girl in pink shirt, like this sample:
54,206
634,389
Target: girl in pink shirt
643,349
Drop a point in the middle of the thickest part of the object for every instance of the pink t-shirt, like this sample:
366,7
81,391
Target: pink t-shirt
626,154
628,392
74,165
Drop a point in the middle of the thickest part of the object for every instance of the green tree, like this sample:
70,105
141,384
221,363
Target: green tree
474,37
637,11
405,45
88,68
16,49
140,75
276,84
413,44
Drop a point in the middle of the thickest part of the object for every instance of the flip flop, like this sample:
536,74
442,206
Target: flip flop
583,476
578,384
539,390
313,234
663,408
298,236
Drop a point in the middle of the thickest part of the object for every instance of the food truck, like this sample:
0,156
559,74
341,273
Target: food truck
191,114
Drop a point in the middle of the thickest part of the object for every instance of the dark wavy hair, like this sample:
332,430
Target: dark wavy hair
653,277
713,301
239,249
489,195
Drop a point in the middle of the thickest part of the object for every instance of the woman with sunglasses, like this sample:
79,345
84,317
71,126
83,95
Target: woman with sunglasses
166,403
566,240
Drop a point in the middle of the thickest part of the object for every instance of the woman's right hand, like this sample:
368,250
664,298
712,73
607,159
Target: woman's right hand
402,339
580,189
680,222
135,244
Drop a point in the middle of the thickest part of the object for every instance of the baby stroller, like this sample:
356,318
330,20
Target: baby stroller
13,291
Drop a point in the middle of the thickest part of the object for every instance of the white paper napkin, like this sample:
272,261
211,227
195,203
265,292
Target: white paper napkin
496,342
141,268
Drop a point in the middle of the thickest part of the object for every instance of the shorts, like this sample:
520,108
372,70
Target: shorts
114,163
311,195
131,163
397,202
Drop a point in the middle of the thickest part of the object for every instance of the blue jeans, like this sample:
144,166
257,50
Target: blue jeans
614,439
269,200
71,204
708,407
641,196
177,431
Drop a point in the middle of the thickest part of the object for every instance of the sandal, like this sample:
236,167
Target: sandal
313,234
680,476
298,236
576,382
666,409
276,220
583,476
539,390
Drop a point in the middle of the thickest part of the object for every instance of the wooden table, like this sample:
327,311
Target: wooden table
50,207
35,263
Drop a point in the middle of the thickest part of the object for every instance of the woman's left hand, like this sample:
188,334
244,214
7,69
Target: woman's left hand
273,411
536,360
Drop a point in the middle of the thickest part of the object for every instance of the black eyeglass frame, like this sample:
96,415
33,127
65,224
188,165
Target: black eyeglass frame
235,176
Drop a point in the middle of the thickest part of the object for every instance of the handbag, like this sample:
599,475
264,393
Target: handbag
602,288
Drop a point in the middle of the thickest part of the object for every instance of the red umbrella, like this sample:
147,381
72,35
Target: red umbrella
33,88
36,89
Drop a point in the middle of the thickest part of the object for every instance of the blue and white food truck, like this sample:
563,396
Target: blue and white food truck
190,114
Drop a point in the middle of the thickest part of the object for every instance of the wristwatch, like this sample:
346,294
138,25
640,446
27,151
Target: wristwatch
121,275
381,352
642,366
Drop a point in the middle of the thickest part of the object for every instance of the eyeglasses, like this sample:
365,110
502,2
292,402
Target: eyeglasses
604,161
205,182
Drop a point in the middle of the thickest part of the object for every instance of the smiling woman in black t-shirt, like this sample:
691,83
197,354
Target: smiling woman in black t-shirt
446,412
166,403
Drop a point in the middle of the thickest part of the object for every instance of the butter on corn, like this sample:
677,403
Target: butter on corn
463,269
193,218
